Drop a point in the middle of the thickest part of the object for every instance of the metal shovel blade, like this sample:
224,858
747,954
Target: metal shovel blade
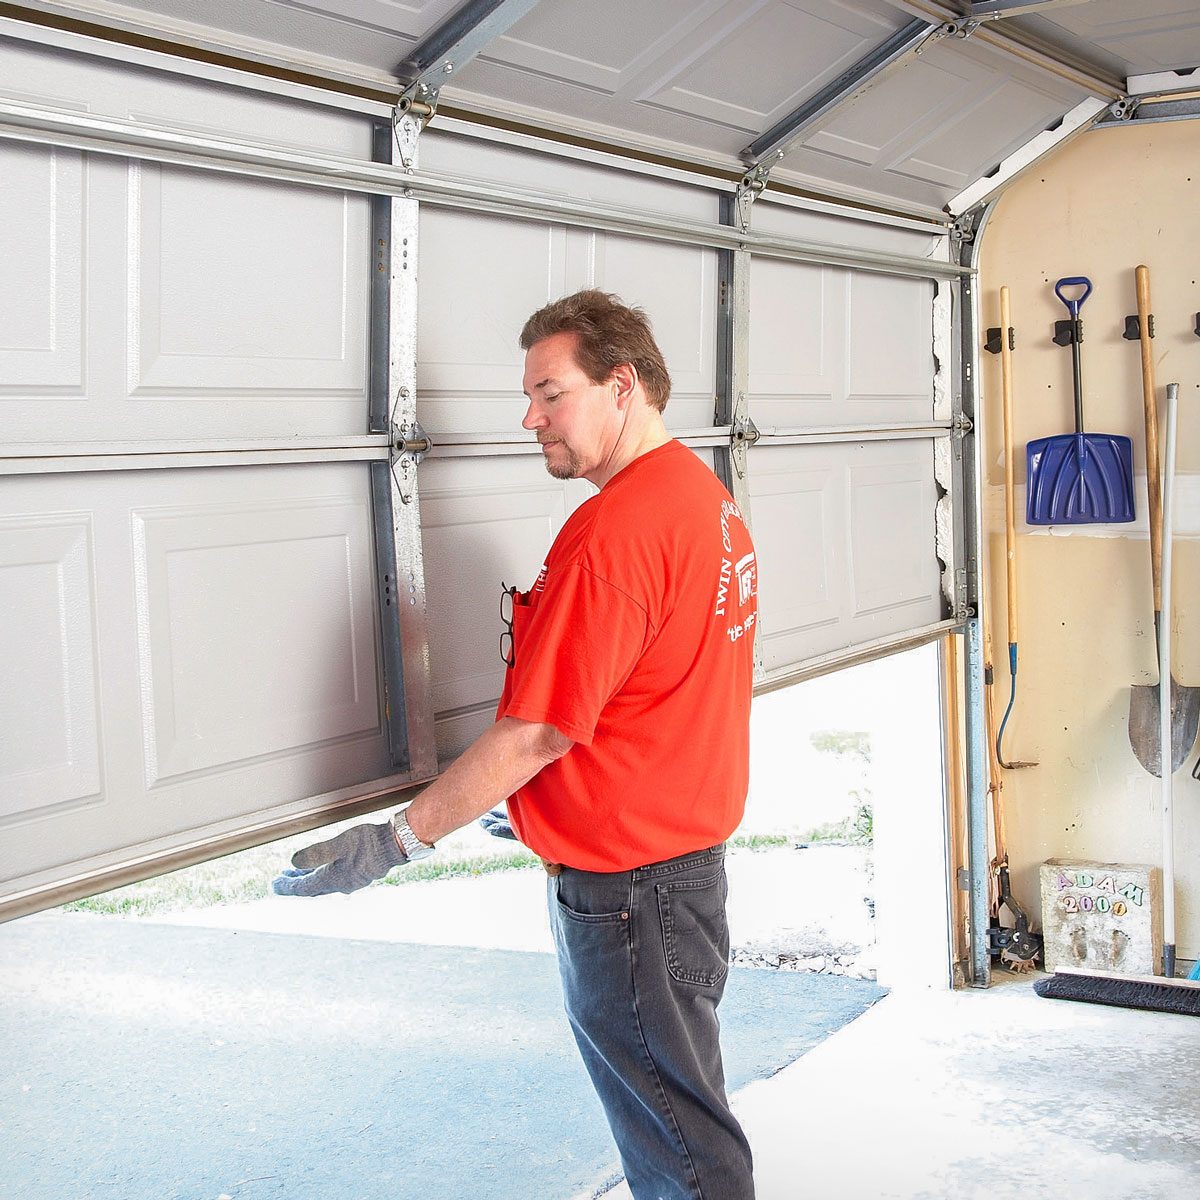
1144,719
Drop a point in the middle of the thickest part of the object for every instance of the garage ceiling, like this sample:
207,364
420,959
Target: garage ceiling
702,80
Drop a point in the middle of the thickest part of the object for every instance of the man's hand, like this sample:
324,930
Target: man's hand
497,823
344,863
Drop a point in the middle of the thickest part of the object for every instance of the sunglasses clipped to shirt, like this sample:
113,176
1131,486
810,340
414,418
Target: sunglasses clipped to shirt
508,597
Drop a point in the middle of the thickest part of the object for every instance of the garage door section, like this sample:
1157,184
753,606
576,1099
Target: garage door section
191,631
846,399
489,509
851,408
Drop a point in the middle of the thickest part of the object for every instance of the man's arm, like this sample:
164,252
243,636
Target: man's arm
494,766
508,755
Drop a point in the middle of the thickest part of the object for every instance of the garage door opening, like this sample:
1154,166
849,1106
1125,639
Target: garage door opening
272,1041
845,785
846,803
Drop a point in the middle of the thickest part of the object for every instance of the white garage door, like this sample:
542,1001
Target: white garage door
191,646
842,484
195,539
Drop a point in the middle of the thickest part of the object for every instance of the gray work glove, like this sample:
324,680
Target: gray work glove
344,863
496,822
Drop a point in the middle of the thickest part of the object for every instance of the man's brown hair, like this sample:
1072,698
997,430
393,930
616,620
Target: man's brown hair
609,333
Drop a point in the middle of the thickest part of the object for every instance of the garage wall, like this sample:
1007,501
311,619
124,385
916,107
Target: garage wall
1109,201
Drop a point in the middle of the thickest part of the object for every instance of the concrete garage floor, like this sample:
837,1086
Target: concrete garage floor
989,1094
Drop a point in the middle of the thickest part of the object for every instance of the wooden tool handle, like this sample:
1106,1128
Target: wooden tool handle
1010,526
995,776
1149,402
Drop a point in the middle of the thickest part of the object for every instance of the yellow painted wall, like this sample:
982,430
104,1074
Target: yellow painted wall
1111,199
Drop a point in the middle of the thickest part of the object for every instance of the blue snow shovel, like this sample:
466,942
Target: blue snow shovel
1078,478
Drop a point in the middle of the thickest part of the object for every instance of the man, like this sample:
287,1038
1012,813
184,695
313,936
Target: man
621,744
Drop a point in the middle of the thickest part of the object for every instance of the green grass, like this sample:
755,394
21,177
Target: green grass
858,828
247,876
240,878
758,841
231,880
470,867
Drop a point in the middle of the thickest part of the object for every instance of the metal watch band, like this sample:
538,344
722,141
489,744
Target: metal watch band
412,845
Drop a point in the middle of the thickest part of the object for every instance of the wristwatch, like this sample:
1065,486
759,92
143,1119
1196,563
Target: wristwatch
408,841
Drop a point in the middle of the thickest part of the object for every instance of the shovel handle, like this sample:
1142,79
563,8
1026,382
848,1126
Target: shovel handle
1149,402
1010,532
1073,303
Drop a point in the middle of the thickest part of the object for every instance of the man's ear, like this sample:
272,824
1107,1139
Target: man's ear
625,376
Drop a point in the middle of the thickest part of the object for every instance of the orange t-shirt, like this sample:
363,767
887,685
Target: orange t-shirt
637,643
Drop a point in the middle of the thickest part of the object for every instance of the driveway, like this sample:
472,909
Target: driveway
169,1061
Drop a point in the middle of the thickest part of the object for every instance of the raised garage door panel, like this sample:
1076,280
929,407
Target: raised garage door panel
143,301
482,276
846,530
41,244
187,651
845,535
182,649
489,518
835,347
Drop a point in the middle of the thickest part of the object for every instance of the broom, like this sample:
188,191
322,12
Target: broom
1123,991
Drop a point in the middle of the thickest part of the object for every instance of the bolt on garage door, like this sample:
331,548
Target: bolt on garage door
191,553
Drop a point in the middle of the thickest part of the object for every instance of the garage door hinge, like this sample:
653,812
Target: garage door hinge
963,27
752,185
961,425
409,445
409,117
963,229
743,432
1125,109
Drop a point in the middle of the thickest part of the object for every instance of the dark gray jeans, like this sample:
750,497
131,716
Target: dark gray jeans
643,956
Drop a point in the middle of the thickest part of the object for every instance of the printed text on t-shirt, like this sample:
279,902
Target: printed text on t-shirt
744,569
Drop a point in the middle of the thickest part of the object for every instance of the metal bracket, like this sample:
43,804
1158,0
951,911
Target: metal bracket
963,229
409,445
408,119
743,432
752,185
961,425
962,609
1125,109
962,28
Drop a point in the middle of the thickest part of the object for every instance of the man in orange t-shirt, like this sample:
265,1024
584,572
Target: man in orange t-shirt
622,746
